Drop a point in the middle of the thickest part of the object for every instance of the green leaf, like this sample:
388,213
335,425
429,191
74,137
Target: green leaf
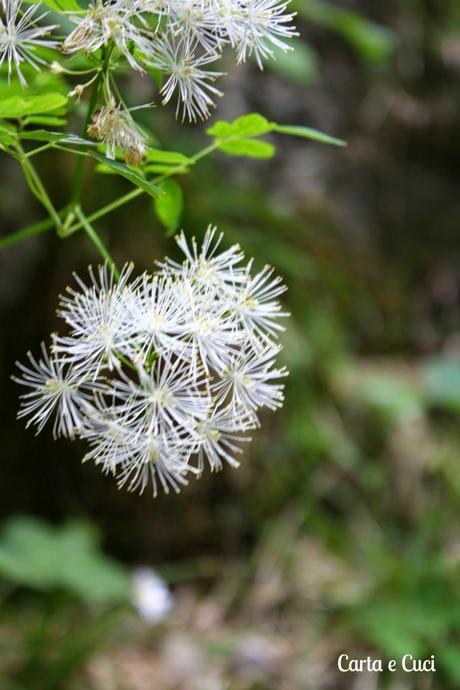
392,397
105,170
236,138
40,556
130,174
8,134
46,103
52,137
46,120
308,133
168,206
38,83
13,107
374,43
158,161
61,5
21,106
167,157
163,169
252,148
442,382
251,125
157,75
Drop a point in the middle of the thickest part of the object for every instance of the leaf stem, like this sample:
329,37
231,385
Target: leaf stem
77,179
64,231
29,231
39,149
105,210
36,185
133,194
98,243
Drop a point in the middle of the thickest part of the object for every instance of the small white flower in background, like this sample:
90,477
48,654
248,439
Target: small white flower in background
20,34
150,595
166,372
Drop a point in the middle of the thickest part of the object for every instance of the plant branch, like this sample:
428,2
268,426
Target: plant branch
98,243
36,185
79,168
64,231
29,231
138,192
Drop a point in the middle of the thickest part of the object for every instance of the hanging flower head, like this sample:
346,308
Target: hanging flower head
115,127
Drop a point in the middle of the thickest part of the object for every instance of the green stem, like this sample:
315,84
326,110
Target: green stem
77,179
98,243
29,154
36,186
64,231
23,234
79,167
126,361
78,72
105,210
204,152
133,194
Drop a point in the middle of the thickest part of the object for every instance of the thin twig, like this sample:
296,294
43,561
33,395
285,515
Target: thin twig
98,243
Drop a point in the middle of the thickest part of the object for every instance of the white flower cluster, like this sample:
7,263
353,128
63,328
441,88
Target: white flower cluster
166,371
178,38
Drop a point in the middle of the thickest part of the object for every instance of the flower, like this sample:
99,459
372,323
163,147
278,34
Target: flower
187,77
164,373
97,316
218,437
256,304
138,455
261,26
105,21
205,265
165,397
150,595
161,316
116,128
181,39
247,378
20,34
54,388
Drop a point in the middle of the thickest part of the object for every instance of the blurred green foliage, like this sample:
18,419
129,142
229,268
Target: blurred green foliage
373,43
64,565
67,558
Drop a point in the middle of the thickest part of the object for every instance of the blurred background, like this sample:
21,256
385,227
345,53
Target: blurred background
340,531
